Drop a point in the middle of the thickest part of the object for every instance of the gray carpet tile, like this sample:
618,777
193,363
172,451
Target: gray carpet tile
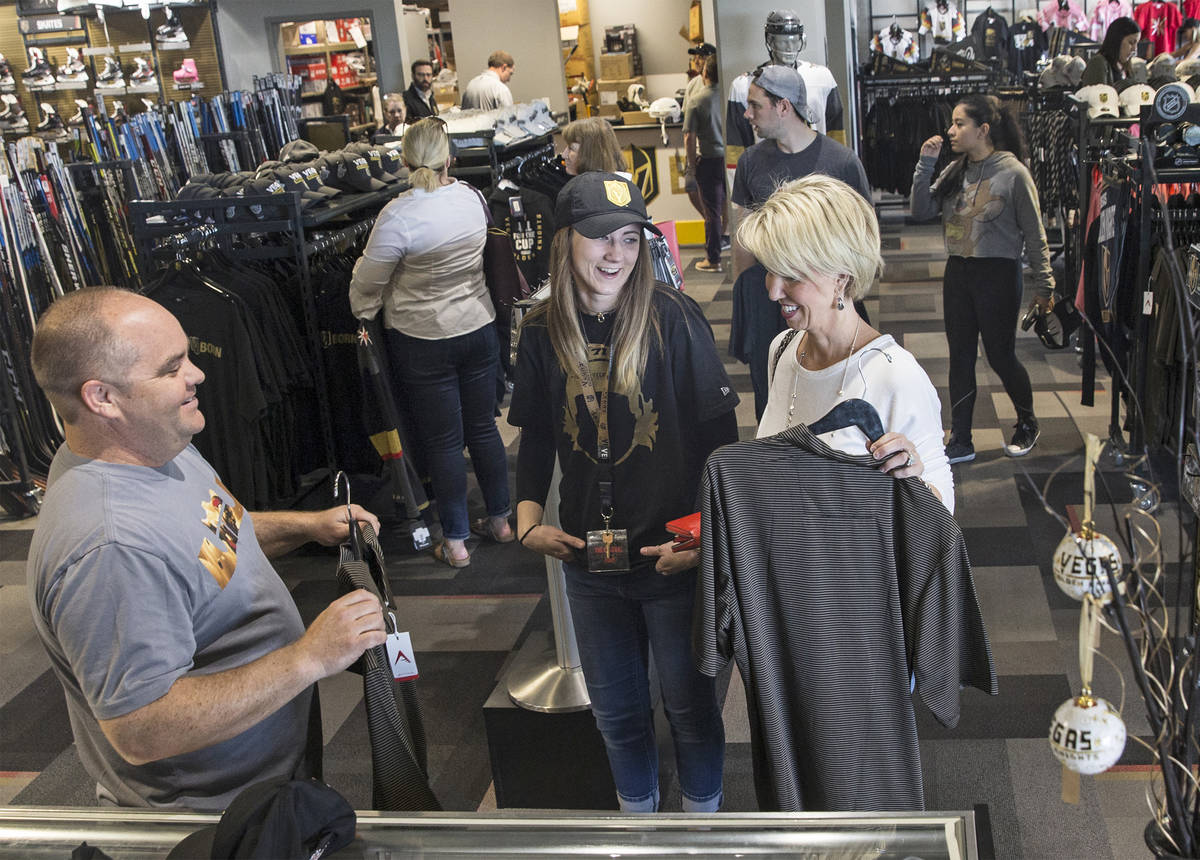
14,544
1022,709
35,725
62,782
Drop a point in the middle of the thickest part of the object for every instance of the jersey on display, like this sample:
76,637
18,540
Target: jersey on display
1158,22
899,44
945,25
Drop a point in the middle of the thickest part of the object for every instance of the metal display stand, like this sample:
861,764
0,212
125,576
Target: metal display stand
550,680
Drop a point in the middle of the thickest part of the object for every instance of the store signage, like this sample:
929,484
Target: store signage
50,23
645,171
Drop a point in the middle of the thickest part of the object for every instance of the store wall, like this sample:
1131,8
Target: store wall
663,50
248,37
527,29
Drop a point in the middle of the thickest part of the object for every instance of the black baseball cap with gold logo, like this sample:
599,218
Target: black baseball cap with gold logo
595,204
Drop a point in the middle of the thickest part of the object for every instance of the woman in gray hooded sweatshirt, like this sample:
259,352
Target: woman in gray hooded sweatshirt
990,211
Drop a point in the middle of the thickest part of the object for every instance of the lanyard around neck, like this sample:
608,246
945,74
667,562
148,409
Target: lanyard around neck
597,406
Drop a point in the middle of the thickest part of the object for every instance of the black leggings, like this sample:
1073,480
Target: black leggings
982,298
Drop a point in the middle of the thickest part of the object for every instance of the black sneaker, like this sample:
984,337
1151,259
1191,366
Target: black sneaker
1025,436
959,452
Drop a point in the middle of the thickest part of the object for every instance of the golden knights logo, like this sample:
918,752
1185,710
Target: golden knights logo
224,520
644,166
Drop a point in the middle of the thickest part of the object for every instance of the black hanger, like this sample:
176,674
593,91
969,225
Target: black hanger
355,539
850,413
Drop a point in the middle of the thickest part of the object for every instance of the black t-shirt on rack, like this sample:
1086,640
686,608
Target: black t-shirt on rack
231,396
1027,43
657,433
530,222
990,32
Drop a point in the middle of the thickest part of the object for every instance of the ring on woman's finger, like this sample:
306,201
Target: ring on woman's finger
908,462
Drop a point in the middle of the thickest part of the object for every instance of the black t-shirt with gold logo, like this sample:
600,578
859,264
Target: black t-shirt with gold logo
655,435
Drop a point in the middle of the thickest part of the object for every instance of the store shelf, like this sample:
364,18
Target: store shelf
317,50
354,88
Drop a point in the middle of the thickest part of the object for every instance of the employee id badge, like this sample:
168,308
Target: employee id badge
608,551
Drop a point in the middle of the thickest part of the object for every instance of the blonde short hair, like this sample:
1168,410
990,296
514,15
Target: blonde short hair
816,225
426,151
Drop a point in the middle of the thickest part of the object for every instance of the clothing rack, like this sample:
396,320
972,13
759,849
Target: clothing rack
927,88
542,151
1131,170
293,237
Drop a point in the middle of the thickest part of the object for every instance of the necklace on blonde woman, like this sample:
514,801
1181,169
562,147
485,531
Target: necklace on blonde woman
845,371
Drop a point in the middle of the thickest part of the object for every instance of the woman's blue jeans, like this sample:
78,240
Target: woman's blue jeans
450,386
618,619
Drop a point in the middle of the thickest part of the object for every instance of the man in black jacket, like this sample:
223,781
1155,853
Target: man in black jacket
418,98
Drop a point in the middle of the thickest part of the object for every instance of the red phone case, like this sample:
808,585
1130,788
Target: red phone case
686,531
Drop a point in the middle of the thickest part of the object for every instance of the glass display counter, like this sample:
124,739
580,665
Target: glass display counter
43,832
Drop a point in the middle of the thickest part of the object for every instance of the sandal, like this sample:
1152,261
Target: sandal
483,528
440,553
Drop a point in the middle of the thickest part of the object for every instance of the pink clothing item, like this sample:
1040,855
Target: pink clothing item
1071,18
1158,21
1108,11
1191,8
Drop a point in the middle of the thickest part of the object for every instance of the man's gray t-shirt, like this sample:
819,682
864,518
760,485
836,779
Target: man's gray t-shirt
138,576
702,116
764,167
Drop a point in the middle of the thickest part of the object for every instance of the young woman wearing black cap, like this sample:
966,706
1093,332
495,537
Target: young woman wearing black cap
620,377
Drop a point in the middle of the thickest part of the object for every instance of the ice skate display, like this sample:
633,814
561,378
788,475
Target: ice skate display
38,74
186,73
171,32
13,117
51,121
74,69
143,72
6,76
112,76
77,118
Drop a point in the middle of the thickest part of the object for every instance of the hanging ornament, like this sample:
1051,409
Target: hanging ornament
1081,557
1087,733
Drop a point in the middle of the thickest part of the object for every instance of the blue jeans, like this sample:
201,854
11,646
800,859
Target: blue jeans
618,619
450,386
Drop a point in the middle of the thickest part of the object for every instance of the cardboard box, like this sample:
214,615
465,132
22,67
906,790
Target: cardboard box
636,117
574,17
613,66
607,110
617,89
576,67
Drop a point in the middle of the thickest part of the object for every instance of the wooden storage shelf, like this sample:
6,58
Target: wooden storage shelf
324,48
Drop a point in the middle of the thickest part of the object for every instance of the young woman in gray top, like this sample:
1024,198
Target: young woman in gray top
989,210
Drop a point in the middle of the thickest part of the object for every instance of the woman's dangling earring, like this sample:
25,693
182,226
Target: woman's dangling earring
841,304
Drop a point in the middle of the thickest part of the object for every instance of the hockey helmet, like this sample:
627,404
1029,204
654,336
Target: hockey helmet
784,35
